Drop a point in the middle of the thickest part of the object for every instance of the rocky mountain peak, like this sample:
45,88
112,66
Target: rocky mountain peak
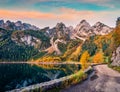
99,24
8,21
17,25
101,29
45,29
19,22
82,28
60,25
1,22
9,24
83,21
82,24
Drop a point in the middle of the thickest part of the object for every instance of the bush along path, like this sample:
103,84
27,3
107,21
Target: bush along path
103,79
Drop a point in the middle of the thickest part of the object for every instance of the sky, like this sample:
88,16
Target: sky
43,13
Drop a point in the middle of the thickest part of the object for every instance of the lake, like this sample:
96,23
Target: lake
19,75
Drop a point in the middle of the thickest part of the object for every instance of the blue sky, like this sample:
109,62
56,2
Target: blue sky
48,12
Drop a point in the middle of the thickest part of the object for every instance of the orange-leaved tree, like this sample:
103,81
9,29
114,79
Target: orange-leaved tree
98,57
84,59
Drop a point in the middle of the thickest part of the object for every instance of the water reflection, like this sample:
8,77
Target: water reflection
20,75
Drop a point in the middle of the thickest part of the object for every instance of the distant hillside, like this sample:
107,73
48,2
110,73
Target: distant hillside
21,45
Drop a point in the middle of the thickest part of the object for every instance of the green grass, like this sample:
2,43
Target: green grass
74,79
117,68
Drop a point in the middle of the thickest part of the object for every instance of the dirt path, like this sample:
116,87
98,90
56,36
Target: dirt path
103,79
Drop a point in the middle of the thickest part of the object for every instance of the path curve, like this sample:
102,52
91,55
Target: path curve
104,79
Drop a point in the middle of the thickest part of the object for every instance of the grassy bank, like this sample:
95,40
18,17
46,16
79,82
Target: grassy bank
55,85
74,79
117,68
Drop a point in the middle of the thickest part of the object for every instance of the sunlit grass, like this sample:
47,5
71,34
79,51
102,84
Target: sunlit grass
73,79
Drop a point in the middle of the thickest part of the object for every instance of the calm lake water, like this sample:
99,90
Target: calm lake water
20,75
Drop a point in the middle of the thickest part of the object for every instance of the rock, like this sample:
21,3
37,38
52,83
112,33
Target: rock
27,40
1,23
83,29
101,29
116,57
17,25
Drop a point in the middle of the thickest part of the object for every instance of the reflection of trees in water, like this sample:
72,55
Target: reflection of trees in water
19,75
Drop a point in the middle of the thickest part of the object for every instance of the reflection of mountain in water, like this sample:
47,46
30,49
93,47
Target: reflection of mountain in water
52,75
20,75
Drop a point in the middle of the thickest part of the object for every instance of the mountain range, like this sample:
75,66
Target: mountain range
22,41
8,25
59,33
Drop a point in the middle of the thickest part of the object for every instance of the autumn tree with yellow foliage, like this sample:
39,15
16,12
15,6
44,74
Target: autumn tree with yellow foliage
98,57
84,60
75,55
